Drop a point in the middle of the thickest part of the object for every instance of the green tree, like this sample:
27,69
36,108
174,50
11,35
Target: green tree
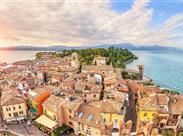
168,132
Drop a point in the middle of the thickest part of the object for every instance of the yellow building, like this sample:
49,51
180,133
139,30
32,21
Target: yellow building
14,108
112,113
147,109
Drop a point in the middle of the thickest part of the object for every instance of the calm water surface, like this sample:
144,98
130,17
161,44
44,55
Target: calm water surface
11,56
165,68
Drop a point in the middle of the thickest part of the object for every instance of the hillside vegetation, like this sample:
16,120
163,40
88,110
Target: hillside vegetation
116,56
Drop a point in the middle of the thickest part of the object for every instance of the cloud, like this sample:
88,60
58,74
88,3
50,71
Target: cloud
82,23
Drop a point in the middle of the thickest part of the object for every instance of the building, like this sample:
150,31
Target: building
36,98
95,77
42,76
67,85
110,80
175,111
141,72
105,69
116,95
112,113
87,121
70,107
147,109
92,92
57,77
163,111
100,60
52,113
14,107
25,83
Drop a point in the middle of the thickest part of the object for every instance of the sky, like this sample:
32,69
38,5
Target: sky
91,22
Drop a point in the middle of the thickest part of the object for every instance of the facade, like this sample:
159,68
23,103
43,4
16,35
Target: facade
70,108
147,109
175,113
92,92
14,108
41,76
87,121
112,114
24,84
52,113
36,98
100,61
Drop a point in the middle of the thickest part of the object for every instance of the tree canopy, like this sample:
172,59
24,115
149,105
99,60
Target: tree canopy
116,56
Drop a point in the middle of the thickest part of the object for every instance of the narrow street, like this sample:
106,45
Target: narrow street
131,111
23,129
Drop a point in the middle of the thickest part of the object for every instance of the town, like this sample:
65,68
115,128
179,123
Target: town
57,95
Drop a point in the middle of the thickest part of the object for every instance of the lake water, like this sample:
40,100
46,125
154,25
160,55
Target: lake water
165,68
11,56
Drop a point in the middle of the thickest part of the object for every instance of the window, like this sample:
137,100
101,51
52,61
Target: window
80,115
15,114
153,114
20,107
84,95
14,108
20,112
70,110
145,114
6,109
94,95
9,114
90,117
54,117
70,117
104,120
9,109
70,123
116,121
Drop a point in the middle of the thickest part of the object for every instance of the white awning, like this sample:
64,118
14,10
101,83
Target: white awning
45,121
16,119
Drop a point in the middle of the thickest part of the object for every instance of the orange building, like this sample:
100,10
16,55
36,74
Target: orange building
36,98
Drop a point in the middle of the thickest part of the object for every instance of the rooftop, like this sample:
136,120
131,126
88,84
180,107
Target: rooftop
108,106
11,97
89,115
148,103
175,104
97,68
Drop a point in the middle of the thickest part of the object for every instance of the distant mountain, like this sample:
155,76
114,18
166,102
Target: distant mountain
62,47
140,48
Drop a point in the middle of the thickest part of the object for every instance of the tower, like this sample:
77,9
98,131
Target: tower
141,71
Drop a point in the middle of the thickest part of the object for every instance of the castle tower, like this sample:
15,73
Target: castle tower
141,71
